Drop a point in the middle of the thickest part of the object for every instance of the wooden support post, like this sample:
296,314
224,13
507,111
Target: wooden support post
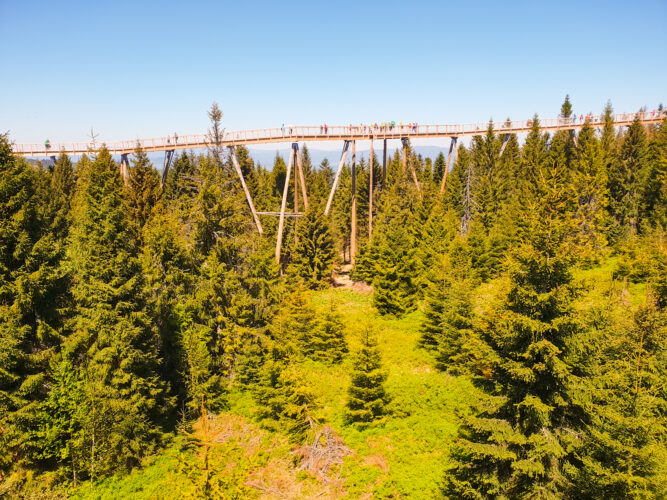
505,141
370,194
281,222
304,194
353,218
404,140
295,152
125,170
239,172
346,146
168,156
452,146
384,165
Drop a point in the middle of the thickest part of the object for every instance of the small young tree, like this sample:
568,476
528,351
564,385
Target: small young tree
366,395
327,342
313,255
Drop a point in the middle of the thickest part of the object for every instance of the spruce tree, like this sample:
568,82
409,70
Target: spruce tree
143,188
654,203
327,341
488,189
313,255
366,395
62,189
181,178
113,344
439,168
59,438
394,255
523,440
284,402
590,182
626,176
624,455
33,300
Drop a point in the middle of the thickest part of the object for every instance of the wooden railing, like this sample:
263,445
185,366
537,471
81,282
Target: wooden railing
326,133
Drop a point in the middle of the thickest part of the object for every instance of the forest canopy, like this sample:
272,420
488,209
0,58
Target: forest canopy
135,310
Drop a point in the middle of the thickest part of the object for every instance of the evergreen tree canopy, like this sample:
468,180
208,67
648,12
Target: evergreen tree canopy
366,395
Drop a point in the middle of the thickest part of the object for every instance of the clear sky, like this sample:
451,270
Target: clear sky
145,69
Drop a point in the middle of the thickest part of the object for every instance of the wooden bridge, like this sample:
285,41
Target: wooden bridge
326,133
349,135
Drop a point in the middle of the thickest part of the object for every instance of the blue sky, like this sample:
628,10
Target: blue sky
144,69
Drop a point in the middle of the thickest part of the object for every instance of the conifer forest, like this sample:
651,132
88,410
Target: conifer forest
505,338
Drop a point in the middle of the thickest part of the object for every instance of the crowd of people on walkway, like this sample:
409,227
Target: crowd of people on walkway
382,127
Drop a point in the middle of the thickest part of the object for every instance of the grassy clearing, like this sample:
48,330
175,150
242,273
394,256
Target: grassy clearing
404,456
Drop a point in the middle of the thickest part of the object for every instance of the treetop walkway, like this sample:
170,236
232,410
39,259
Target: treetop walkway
289,133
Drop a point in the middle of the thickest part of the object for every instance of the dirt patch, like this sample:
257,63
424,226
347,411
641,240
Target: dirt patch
341,279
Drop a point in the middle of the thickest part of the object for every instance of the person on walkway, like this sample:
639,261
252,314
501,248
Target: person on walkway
175,137
282,127
47,144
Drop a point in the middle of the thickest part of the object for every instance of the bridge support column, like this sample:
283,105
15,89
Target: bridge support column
505,141
353,218
295,149
452,147
304,193
239,172
168,156
370,194
346,146
413,171
125,168
384,165
281,222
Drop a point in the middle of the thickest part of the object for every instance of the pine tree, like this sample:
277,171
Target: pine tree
181,178
590,182
62,190
654,203
33,298
113,344
488,190
296,416
366,395
284,400
624,455
396,270
313,255
626,175
395,265
143,188
327,341
59,438
523,440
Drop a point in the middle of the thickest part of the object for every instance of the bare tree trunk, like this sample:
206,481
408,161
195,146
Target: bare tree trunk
467,203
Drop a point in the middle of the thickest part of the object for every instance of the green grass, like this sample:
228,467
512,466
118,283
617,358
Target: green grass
405,455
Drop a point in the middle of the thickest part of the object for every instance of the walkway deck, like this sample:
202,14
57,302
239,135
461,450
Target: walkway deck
337,133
